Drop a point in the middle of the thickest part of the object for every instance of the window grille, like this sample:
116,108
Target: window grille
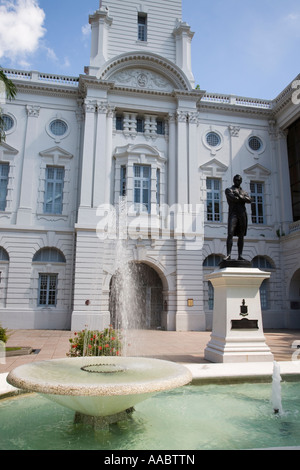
4,171
123,181
8,122
58,127
213,139
47,290
160,127
140,125
54,190
213,200
142,187
142,27
255,143
257,207
119,123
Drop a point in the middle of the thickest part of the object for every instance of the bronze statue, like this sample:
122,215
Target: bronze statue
237,199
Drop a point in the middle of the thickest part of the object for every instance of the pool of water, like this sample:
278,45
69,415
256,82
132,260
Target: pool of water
189,418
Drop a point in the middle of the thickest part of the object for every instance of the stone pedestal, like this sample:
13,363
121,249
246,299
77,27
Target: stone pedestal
237,334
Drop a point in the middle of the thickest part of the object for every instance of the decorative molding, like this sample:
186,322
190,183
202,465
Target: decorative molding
234,131
55,154
258,171
142,79
214,168
146,62
7,152
33,111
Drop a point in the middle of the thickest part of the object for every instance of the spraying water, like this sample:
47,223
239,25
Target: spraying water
125,298
276,389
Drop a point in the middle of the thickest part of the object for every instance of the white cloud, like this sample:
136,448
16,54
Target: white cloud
21,28
86,30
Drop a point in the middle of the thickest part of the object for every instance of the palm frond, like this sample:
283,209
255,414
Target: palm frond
10,87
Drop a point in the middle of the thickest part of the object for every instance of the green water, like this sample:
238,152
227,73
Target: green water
190,418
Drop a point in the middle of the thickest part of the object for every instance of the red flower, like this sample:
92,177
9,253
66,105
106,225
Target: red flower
106,346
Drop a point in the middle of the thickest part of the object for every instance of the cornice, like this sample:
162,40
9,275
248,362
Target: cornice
235,109
46,89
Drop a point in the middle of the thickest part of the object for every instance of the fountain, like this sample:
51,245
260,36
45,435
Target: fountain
276,389
104,389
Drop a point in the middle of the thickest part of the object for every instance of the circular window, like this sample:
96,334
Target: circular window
58,127
8,122
255,144
213,139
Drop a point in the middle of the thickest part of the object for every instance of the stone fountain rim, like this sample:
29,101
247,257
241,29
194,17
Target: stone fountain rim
177,377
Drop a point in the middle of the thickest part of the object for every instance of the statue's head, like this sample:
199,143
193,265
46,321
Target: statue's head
237,180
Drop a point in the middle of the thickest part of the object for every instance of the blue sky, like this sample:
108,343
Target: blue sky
244,47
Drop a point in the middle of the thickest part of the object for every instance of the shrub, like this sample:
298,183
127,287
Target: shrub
95,343
3,334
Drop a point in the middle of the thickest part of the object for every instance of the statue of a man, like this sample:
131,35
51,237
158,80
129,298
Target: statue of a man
237,199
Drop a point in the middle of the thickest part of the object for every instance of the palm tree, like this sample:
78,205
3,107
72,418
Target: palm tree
10,91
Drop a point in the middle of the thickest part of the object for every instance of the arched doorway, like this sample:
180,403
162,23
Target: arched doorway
144,298
295,291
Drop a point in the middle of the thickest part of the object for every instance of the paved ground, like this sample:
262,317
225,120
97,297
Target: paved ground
182,347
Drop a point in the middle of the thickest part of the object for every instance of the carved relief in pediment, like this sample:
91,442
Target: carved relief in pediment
142,79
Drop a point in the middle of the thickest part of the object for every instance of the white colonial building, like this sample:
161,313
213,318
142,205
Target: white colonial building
134,125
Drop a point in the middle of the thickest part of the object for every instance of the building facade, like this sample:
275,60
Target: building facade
134,131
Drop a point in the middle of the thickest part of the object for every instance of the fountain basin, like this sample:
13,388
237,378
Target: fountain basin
99,386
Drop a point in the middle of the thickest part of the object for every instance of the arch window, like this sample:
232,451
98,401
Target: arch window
3,255
49,255
212,261
48,278
261,262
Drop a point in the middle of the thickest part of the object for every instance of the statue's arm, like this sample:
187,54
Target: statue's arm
231,195
246,198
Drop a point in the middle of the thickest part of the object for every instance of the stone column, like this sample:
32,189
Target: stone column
182,158
99,178
88,156
24,216
172,161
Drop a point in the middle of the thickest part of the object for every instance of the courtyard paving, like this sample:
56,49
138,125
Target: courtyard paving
181,347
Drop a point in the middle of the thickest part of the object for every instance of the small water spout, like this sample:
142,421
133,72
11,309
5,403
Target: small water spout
276,389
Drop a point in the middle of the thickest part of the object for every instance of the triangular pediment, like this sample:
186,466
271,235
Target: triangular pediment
139,150
257,171
214,167
7,151
56,153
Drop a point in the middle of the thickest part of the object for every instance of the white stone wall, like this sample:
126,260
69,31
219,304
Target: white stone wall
162,17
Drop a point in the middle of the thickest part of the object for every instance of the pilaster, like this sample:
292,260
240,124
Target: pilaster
25,210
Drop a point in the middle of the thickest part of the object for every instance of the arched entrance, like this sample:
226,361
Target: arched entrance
144,298
295,291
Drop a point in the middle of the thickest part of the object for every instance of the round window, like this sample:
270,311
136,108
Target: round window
213,139
58,127
8,122
255,144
